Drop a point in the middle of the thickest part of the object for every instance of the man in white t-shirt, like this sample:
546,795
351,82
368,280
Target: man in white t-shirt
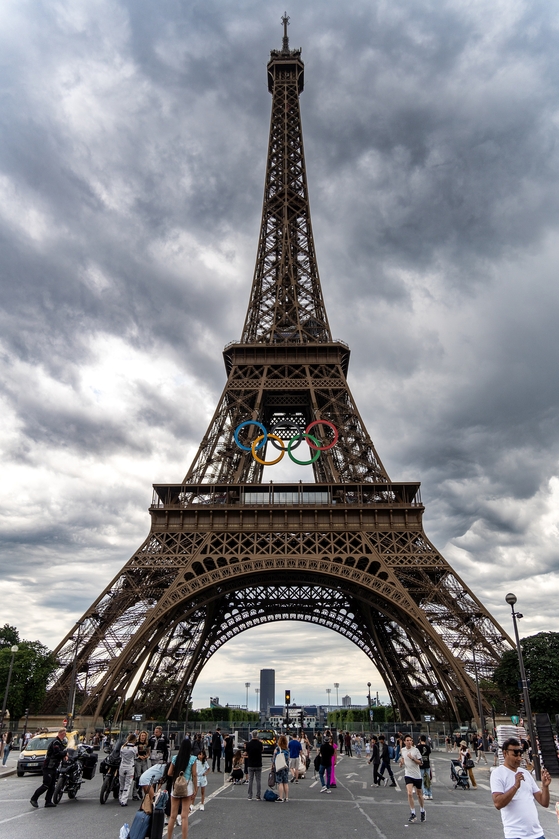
514,791
412,761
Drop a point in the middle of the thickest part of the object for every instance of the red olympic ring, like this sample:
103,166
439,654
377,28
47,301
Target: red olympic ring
330,425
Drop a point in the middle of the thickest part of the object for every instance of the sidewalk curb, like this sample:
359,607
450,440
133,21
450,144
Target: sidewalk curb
7,773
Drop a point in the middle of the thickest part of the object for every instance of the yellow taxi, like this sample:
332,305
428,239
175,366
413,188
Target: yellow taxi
31,759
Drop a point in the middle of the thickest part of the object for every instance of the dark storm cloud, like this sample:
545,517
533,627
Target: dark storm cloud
131,176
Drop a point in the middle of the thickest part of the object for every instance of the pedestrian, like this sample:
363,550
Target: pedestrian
448,744
514,790
424,749
411,760
294,748
202,769
384,754
280,759
253,751
183,763
368,749
236,768
341,742
217,741
8,745
375,760
480,750
228,753
56,753
358,745
158,746
467,762
327,755
128,756
333,783
347,744
142,761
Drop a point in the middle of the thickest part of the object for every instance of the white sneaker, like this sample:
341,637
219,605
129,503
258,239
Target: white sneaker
201,806
323,789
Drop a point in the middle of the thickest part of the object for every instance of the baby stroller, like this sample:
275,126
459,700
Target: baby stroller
459,775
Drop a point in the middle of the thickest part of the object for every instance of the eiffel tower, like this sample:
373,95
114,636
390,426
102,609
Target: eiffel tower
227,552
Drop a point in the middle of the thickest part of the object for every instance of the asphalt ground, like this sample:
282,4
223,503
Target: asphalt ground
354,809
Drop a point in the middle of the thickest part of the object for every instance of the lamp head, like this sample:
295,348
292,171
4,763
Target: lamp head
14,649
511,599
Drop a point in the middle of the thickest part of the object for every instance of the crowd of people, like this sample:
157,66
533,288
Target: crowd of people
146,762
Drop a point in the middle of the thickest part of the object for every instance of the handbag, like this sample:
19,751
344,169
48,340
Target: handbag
272,777
468,763
280,761
147,805
270,795
180,787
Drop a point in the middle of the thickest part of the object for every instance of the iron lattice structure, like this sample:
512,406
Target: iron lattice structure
226,552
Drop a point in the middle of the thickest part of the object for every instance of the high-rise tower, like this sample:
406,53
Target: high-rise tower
226,552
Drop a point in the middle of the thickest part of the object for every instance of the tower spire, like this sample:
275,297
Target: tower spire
286,304
285,43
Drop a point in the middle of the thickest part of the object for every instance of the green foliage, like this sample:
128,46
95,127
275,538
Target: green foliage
223,715
33,665
343,716
541,660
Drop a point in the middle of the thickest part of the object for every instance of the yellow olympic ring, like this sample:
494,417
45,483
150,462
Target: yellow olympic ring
267,462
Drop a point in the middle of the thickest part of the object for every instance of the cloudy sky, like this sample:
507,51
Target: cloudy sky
132,165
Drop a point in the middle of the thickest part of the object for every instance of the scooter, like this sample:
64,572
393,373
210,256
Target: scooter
79,766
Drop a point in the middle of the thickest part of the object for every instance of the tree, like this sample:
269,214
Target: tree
33,666
541,661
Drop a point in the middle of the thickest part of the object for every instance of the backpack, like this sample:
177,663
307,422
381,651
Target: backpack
270,795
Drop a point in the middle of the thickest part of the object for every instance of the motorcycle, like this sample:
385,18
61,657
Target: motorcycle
79,766
109,767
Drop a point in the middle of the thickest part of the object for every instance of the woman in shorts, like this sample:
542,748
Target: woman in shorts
282,775
185,762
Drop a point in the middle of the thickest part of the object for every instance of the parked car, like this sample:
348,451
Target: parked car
31,759
269,739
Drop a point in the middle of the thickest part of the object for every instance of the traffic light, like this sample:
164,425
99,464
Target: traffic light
287,697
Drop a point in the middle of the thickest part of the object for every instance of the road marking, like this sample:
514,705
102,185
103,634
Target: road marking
209,798
20,816
351,775
314,783
483,786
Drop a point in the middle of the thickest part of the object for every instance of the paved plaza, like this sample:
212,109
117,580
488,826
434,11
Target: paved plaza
353,809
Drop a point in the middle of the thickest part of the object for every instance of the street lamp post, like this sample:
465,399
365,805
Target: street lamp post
328,692
479,702
337,685
257,691
13,651
511,600
247,685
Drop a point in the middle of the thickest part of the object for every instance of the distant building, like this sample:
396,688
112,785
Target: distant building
346,701
214,702
278,715
267,690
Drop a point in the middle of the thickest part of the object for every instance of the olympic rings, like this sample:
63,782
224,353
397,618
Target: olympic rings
264,438
294,441
315,456
267,462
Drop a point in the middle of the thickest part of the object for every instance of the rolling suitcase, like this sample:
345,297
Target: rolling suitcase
158,815
140,827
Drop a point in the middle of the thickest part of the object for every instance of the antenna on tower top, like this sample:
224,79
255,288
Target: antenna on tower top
285,21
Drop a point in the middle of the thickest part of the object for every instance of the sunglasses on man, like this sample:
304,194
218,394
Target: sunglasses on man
515,752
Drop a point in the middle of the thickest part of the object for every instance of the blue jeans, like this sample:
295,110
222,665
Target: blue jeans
328,770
